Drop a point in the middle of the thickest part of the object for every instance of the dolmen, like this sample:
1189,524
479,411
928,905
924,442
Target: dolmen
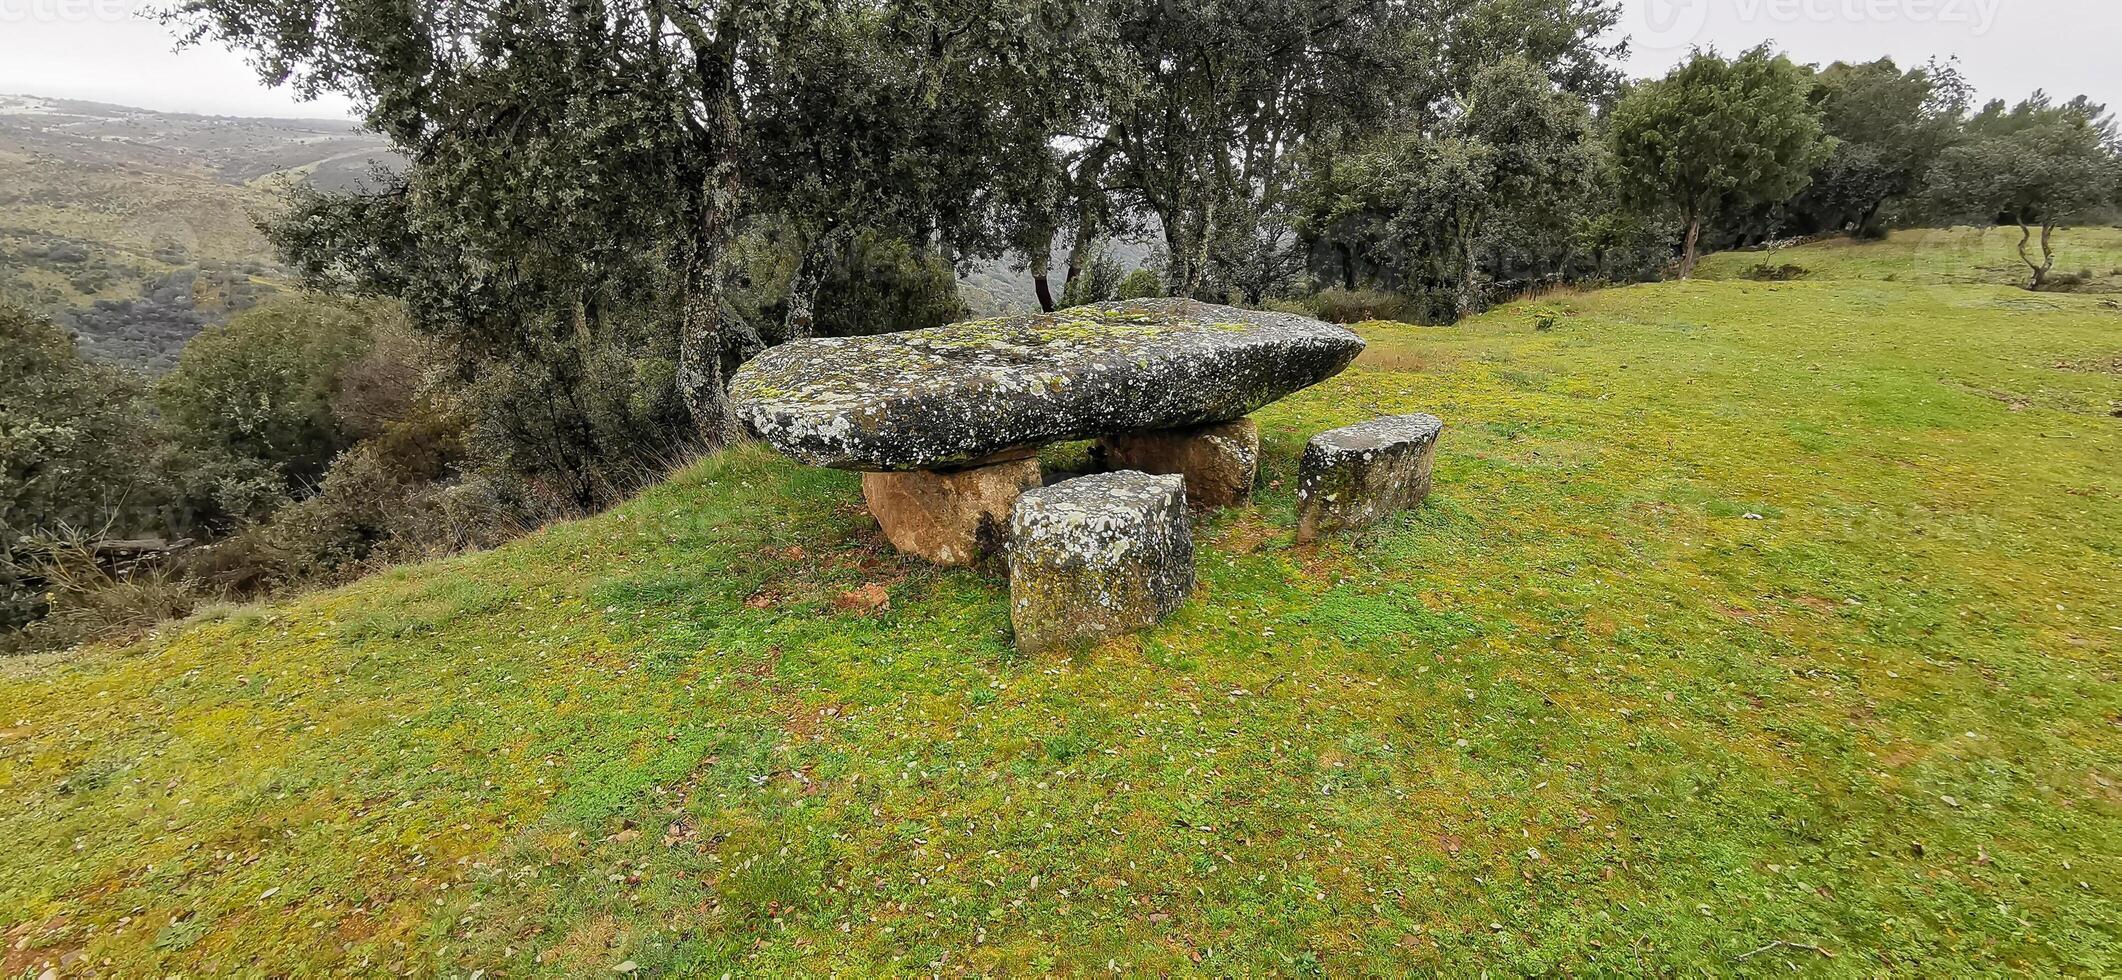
946,423
1353,477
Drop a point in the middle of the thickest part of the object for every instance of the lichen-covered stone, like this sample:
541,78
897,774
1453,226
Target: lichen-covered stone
1351,478
1219,460
1097,556
950,518
942,397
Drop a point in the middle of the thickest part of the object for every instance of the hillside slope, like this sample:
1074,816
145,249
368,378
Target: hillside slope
137,228
1751,626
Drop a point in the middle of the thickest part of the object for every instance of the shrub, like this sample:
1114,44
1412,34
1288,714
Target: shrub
884,287
1097,283
366,515
72,434
580,429
250,406
81,596
1141,284
1338,305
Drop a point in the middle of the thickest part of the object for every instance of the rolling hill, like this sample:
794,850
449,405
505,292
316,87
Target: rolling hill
137,228
1752,627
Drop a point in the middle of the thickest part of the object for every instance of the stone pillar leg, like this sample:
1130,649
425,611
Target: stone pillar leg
951,518
1220,461
1353,477
1096,557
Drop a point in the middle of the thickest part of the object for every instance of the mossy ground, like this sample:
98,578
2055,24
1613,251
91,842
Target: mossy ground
1749,627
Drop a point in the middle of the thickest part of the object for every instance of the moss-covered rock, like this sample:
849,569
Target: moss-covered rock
1352,477
1097,556
945,397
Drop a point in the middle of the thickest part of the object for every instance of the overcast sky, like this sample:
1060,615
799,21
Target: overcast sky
107,51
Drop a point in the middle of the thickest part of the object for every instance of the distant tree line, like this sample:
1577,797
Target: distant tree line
606,206
573,161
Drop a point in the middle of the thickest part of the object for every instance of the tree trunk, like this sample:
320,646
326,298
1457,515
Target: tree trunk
2042,268
1078,252
701,340
1687,251
1041,263
703,337
1348,266
1178,258
802,311
2048,254
700,349
580,314
1467,299
1084,188
1864,221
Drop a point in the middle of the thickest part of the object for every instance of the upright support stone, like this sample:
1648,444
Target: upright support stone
1097,556
1219,461
949,518
1351,478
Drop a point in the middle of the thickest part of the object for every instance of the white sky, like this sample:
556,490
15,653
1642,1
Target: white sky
108,51
2007,48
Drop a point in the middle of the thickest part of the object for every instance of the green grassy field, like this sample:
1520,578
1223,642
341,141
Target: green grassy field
1940,256
1751,627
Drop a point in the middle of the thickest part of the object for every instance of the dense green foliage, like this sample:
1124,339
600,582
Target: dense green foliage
72,440
303,441
1494,192
1716,135
1889,127
251,405
71,431
569,162
1751,628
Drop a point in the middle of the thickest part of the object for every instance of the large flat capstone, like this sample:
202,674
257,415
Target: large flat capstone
956,395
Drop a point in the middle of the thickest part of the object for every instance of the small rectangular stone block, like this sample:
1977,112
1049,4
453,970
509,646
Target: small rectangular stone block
1353,477
1219,461
1097,556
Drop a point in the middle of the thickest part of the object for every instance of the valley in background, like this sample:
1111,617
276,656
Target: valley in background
136,229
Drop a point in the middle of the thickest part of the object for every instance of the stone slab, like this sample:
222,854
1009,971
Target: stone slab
953,518
1096,557
1353,477
943,397
1219,461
